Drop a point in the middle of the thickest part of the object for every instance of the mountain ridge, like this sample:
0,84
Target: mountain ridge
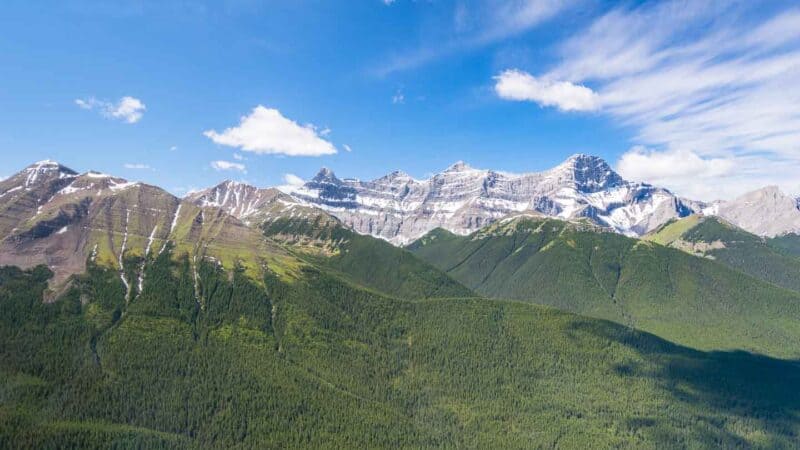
400,208
461,198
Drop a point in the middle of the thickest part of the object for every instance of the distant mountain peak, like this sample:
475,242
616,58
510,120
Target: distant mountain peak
459,166
395,176
325,175
589,173
767,211
49,165
45,162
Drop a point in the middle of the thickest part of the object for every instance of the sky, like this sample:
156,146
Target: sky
700,97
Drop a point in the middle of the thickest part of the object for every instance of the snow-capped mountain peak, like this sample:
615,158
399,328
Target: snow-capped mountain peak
43,171
250,204
462,199
587,173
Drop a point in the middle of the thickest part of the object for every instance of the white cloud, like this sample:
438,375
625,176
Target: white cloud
521,86
173,148
707,178
88,103
136,166
293,180
717,79
267,131
640,163
347,148
398,97
291,183
388,2
127,109
238,157
228,165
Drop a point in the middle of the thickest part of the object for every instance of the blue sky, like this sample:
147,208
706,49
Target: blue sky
701,97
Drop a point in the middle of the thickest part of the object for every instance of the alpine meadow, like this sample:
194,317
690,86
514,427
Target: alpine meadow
551,225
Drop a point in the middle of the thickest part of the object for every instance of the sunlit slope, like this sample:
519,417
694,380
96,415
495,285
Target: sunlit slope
714,238
222,362
691,300
365,260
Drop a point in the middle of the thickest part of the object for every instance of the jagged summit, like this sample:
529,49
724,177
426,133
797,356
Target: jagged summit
325,175
463,199
396,177
589,173
251,204
458,166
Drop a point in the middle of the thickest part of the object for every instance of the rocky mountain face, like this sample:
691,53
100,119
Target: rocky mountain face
765,212
252,205
462,199
52,215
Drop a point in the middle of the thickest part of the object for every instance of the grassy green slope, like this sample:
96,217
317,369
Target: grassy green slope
690,300
318,363
730,245
364,260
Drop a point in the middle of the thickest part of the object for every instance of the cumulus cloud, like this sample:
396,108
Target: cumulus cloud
708,178
291,183
521,86
127,109
347,148
641,163
136,166
228,165
267,131
683,171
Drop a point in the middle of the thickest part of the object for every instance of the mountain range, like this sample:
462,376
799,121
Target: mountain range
461,199
47,204
568,308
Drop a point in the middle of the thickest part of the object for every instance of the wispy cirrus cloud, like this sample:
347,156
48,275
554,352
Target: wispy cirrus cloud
709,87
267,131
473,24
127,109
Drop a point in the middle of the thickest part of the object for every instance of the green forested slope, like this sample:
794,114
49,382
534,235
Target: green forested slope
219,362
690,300
365,260
756,256
788,244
